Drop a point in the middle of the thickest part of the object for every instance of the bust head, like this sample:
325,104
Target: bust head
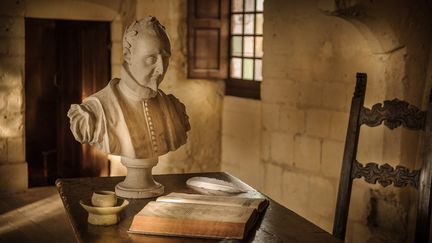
146,52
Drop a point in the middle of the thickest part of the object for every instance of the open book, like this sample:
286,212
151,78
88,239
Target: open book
193,215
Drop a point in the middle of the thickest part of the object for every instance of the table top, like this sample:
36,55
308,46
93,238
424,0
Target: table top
278,224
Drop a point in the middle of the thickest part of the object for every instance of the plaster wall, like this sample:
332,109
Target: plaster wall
310,61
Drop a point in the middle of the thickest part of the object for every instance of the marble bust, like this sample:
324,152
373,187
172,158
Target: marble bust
131,117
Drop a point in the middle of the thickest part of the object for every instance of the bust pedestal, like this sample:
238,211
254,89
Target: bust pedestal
139,182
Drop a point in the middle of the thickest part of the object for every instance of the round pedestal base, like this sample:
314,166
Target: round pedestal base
125,192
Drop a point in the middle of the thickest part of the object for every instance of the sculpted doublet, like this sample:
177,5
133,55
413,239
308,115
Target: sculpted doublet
122,126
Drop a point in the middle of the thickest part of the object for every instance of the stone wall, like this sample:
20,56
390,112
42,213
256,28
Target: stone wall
13,168
310,61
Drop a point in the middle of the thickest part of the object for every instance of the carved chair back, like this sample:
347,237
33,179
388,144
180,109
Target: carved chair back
393,113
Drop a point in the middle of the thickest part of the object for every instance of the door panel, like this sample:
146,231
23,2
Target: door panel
65,62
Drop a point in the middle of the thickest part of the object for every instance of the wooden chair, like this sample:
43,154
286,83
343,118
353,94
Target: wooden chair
393,113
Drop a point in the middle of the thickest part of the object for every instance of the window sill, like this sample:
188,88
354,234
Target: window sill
243,88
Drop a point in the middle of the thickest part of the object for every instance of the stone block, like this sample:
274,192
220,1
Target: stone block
240,150
12,26
242,119
282,148
116,53
250,173
11,72
360,197
12,46
241,131
270,116
338,125
238,104
15,102
311,94
371,144
12,7
292,119
273,181
115,70
281,93
3,100
265,145
16,150
11,125
360,233
335,96
3,150
332,154
322,197
14,177
307,153
398,143
296,191
318,122
116,31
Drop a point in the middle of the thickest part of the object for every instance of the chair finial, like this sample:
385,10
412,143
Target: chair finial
360,88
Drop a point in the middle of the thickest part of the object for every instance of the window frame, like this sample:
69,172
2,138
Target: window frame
243,87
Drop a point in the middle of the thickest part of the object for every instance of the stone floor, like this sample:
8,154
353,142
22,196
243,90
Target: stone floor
36,215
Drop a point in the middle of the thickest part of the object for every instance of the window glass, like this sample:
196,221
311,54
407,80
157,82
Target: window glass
259,24
249,6
237,24
260,5
248,50
248,68
236,67
249,24
258,69
246,47
237,6
236,45
258,46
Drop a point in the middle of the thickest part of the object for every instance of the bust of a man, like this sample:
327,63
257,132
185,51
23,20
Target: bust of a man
131,116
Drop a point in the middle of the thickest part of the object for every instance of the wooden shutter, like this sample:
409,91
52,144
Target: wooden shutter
208,39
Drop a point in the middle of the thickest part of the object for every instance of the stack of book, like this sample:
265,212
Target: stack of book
193,215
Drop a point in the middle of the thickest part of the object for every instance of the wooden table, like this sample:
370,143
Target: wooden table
278,224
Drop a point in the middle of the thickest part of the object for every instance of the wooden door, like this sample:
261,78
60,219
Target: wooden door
41,98
65,62
95,74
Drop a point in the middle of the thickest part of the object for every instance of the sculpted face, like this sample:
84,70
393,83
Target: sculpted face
146,52
149,60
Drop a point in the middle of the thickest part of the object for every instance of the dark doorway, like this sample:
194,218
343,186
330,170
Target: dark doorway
65,61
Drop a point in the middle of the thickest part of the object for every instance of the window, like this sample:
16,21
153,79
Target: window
246,48
225,39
